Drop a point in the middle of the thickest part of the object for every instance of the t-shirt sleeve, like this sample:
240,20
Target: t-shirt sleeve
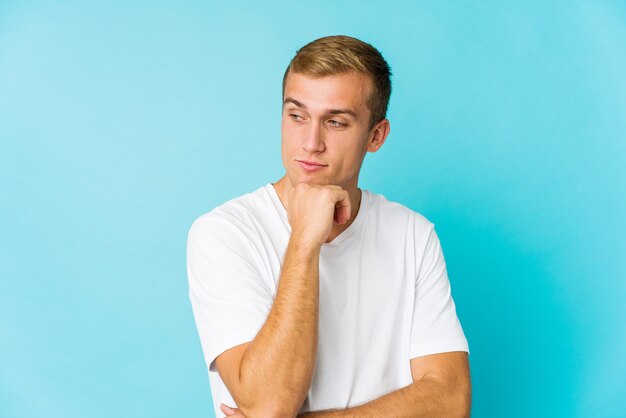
436,327
229,296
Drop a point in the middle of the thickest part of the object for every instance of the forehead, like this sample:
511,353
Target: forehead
348,90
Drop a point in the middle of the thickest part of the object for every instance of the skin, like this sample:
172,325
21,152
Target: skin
313,130
325,122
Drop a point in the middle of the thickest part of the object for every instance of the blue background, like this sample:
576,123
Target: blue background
121,122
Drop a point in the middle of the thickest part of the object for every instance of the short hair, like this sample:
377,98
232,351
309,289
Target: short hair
333,55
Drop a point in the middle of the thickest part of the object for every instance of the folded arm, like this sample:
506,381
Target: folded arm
271,375
441,388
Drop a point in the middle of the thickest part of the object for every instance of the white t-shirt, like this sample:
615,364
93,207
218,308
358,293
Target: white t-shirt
384,294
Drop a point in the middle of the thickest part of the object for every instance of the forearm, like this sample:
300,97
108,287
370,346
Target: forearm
277,367
423,398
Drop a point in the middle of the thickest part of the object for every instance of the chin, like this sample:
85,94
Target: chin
311,179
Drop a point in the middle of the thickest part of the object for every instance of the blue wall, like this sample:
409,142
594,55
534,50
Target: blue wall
121,122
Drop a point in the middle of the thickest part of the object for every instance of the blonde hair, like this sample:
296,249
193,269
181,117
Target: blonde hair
340,54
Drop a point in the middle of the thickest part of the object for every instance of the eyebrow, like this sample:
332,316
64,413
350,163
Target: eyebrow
331,111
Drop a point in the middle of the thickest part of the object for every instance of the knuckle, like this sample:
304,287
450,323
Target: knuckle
328,193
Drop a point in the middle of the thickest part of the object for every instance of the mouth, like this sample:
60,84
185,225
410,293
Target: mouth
311,165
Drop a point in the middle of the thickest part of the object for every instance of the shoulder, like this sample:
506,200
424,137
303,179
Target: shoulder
237,211
232,219
392,214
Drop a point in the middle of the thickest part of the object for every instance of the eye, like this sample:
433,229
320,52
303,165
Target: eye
336,124
295,117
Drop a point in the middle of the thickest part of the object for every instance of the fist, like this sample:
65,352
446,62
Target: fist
313,210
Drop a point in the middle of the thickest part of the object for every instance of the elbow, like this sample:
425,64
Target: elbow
268,411
464,409
455,400
463,401
270,402
275,405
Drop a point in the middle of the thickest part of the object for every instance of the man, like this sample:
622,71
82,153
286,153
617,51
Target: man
314,297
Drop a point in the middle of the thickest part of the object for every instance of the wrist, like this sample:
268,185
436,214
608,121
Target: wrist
303,244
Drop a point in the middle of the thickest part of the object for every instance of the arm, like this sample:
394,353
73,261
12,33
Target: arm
441,388
271,375
441,382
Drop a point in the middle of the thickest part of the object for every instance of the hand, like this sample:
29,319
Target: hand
231,412
312,210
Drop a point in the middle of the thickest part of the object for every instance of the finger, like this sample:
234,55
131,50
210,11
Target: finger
345,213
341,215
227,409
342,208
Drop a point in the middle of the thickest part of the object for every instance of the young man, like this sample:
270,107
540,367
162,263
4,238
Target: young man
314,297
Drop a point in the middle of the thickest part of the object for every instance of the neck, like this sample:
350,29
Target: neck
283,186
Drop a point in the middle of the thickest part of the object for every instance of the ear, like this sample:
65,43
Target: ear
378,135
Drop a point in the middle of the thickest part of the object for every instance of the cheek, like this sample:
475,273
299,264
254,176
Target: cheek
288,143
285,149
352,156
290,136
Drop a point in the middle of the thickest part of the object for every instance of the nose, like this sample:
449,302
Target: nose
314,141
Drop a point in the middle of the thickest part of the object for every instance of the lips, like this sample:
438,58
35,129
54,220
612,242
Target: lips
311,165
